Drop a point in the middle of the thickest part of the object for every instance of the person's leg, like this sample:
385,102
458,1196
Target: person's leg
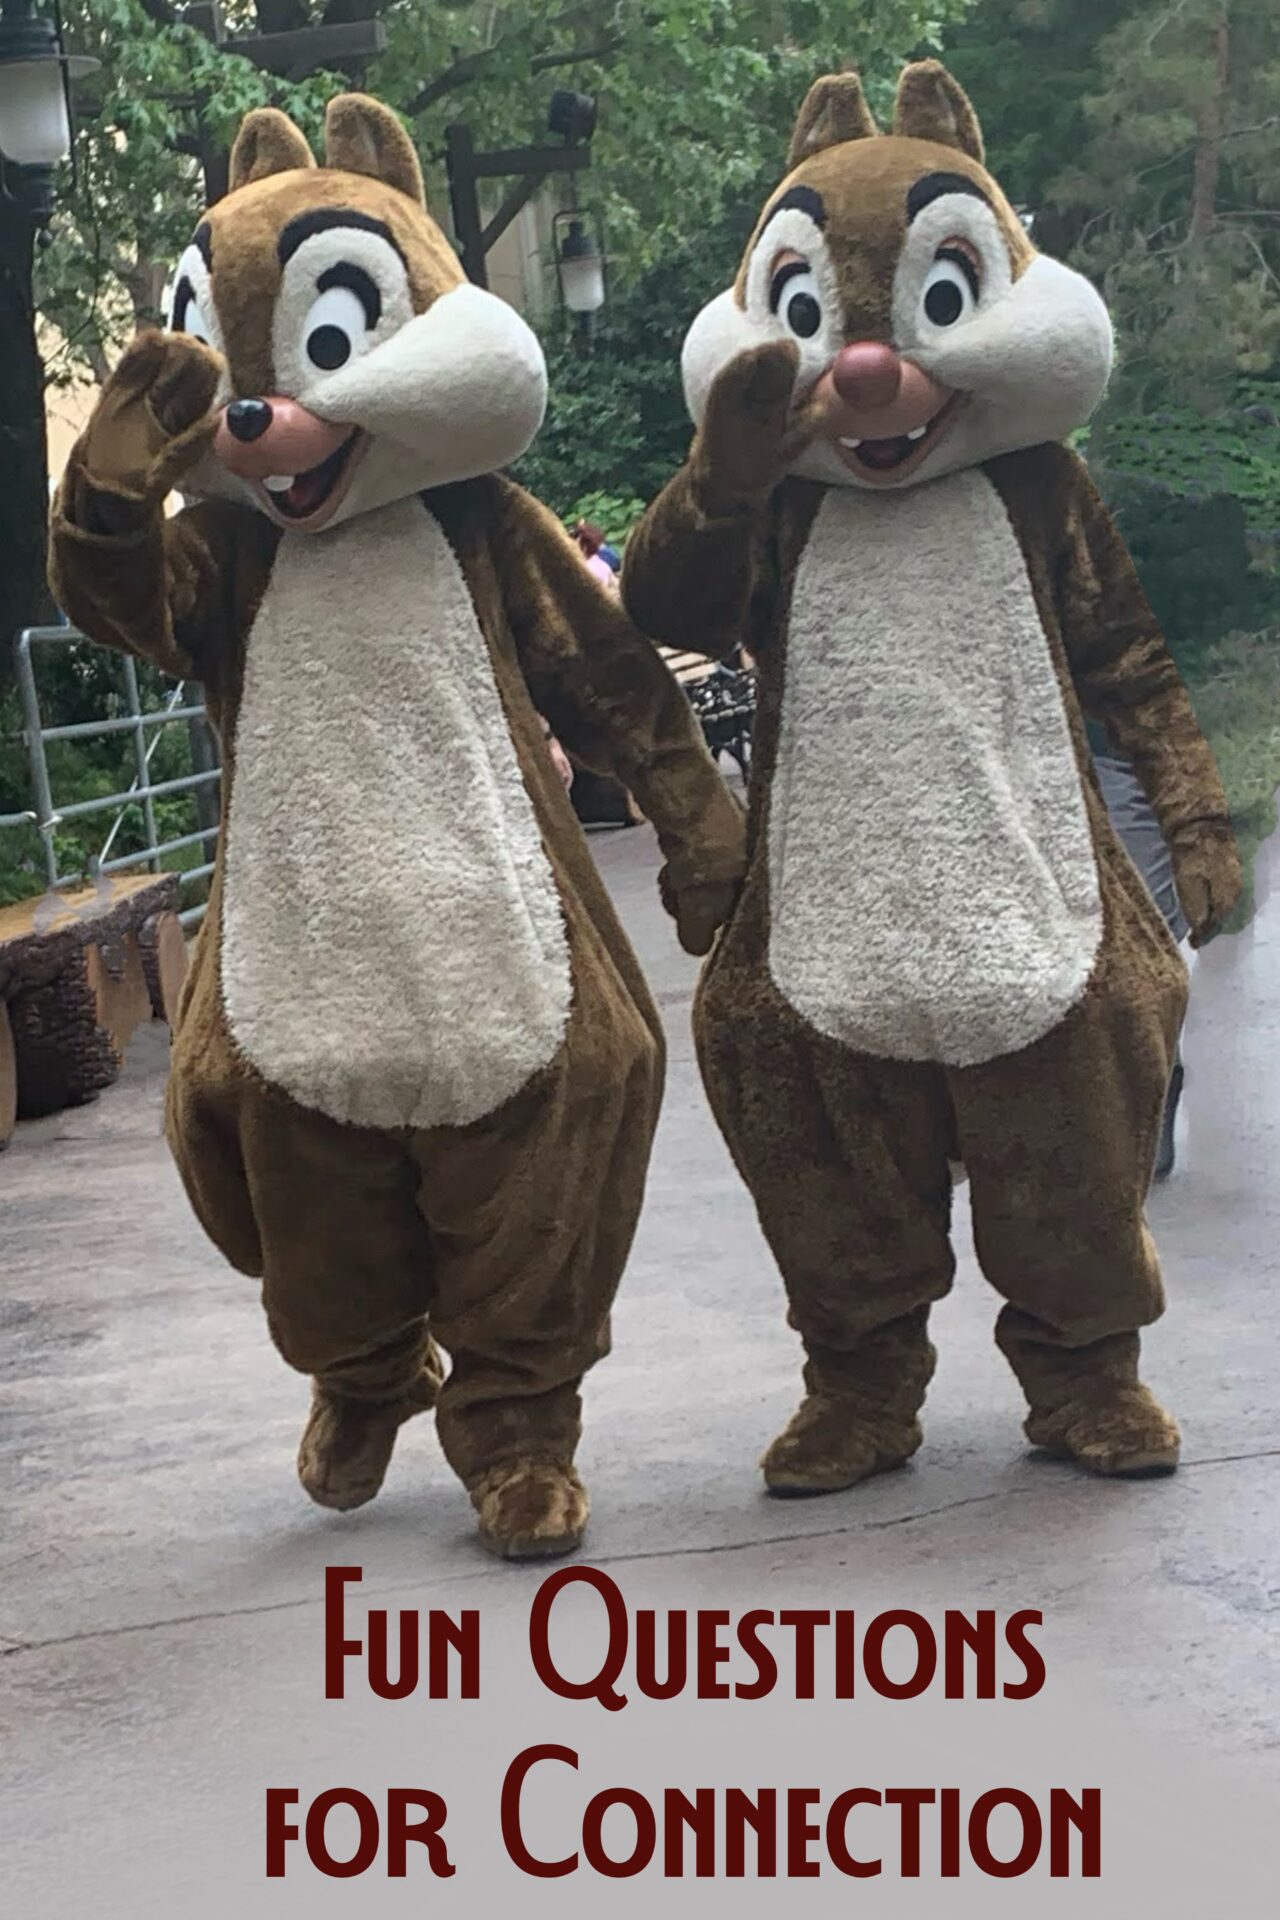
345,1284
1134,820
1059,1142
847,1162
531,1215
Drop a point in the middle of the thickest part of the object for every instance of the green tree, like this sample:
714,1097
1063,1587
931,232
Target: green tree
696,97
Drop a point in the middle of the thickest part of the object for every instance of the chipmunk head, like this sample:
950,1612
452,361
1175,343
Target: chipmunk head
931,333
361,366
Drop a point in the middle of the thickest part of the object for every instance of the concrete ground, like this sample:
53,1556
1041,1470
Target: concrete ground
160,1570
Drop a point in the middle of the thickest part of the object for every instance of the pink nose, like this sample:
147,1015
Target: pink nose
867,375
274,435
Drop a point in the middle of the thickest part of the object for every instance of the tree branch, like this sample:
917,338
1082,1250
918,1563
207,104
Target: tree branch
472,65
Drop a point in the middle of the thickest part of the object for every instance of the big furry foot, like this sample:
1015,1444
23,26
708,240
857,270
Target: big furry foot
1127,1433
346,1448
832,1442
531,1511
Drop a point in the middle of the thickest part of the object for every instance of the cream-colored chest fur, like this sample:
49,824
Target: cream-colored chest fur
933,888
393,947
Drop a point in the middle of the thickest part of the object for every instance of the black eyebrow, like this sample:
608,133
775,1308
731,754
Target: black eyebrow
807,199
202,240
931,186
322,220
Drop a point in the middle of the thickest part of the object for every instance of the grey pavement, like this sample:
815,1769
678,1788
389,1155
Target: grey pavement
160,1570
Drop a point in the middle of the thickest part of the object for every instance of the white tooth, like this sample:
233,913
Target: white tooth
918,433
279,482
853,444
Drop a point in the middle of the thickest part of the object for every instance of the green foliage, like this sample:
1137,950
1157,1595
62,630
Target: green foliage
1235,689
139,188
1192,555
1234,452
1144,135
615,516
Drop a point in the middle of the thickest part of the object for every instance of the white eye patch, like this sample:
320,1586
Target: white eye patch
798,300
345,291
191,309
938,289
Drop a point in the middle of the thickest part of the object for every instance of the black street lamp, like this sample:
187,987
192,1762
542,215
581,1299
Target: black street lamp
35,134
571,115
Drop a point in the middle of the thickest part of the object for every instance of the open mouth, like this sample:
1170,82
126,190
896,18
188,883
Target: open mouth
300,496
887,456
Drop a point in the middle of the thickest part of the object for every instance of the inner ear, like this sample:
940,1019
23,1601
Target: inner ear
933,106
268,142
363,136
834,110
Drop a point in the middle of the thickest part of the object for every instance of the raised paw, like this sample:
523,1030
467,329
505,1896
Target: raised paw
832,1442
745,441
1125,1433
531,1511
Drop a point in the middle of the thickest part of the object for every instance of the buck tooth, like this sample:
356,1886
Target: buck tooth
279,482
918,433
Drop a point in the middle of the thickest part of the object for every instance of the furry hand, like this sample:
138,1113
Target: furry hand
750,432
1208,876
152,422
699,910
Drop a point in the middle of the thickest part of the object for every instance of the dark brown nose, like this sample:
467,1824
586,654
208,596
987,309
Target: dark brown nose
248,419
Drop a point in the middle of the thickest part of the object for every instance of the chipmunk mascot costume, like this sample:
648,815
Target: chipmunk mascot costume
941,952
416,1072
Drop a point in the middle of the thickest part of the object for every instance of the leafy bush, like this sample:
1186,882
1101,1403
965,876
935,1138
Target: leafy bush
614,516
1194,560
1235,689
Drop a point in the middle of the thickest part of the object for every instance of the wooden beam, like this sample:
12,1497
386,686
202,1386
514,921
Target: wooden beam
522,160
518,198
308,48
461,158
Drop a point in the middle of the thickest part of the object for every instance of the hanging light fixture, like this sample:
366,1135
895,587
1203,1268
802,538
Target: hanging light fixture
580,264
35,77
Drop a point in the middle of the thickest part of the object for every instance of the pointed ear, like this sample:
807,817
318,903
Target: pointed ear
363,136
833,111
933,106
268,142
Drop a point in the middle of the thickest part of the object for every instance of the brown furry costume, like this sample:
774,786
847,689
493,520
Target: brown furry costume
942,952
417,1070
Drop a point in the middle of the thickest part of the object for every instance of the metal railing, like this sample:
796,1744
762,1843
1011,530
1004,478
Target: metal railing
146,727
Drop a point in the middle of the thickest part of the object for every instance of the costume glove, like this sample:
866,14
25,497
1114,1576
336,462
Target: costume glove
152,422
1208,875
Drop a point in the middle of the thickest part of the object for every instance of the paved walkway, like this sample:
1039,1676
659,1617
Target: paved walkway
160,1570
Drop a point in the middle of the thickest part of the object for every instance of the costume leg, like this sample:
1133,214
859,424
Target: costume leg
531,1215
346,1285
1059,1142
846,1159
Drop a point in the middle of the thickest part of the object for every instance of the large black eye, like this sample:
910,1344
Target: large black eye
804,315
328,347
793,294
950,289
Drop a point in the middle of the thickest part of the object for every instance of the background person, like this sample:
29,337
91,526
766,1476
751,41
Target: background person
1134,820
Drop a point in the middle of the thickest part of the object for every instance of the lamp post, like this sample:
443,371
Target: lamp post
35,134
571,115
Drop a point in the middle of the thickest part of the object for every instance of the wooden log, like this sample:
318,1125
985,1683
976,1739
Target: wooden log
73,974
164,961
8,1078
